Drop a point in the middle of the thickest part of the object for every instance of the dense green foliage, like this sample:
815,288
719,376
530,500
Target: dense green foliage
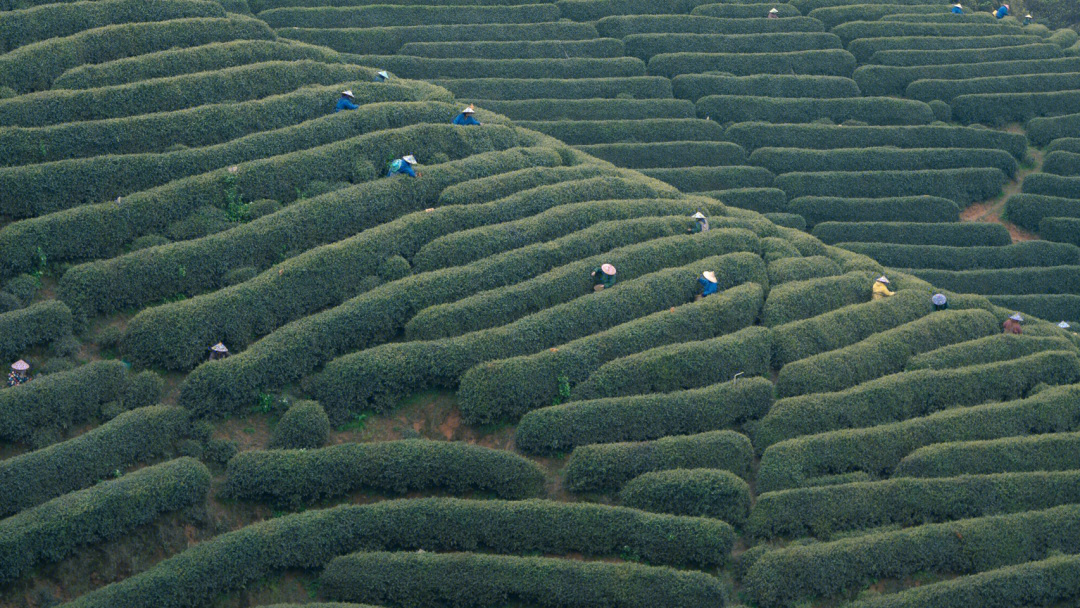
828,62
704,179
385,40
753,135
696,86
699,492
912,233
636,87
893,80
864,48
36,324
946,90
303,426
1000,347
1050,452
870,110
1011,281
964,186
912,58
1042,131
1030,210
943,257
623,26
578,132
787,160
645,46
998,109
924,209
669,154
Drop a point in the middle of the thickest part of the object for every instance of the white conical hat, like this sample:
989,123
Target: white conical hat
774,11
1028,15
709,275
347,93
409,158
882,279
468,110
957,5
219,348
938,299
1017,317
699,216
1064,325
20,366
608,269
383,74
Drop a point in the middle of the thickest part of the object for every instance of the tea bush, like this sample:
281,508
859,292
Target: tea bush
699,492
893,80
919,58
1023,254
864,48
754,135
36,324
1043,130
804,299
1000,347
645,46
635,87
423,68
525,49
582,132
696,86
829,62
405,15
998,109
1007,281
623,26
585,109
946,90
788,160
1050,452
388,40
669,154
961,185
703,179
923,209
953,234
303,426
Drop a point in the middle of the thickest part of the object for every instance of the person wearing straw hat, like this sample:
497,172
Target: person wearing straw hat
218,351
404,166
701,224
881,290
1065,326
346,101
940,301
382,76
603,277
957,9
708,284
1027,19
466,118
20,372
774,13
1002,11
1012,325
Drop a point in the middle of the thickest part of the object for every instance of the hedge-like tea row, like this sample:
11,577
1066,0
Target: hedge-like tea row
241,313
681,366
788,160
586,109
634,87
36,324
762,200
645,46
241,83
961,185
423,68
923,209
607,466
754,135
870,110
669,154
284,356
823,511
1023,254
41,409
608,325
864,48
972,545
947,234
946,90
465,246
208,57
1006,281
525,49
583,132
131,438
1044,130
591,10
1038,583
295,477
1061,229
53,530
388,40
879,449
883,353
160,131
643,417
808,5
833,16
1050,452
57,20
406,15
229,561
488,580
623,26
698,492
144,276
1000,347
948,17
509,387
1031,210
880,29
893,80
50,187
34,66
829,62
919,58
804,299
1063,163
1046,306
704,179
916,393
744,11
997,109
696,86
786,270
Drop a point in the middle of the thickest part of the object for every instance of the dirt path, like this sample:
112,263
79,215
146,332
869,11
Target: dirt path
992,210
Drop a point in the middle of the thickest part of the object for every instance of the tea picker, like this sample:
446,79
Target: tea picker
701,224
1012,325
881,290
708,284
940,301
403,166
381,76
466,118
20,373
346,102
218,351
774,14
603,277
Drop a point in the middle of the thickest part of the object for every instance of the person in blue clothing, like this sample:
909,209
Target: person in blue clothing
708,284
346,102
1002,12
466,118
382,76
404,166
1027,19
957,9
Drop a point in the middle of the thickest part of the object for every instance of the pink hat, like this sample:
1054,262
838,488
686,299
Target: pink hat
608,269
20,366
219,348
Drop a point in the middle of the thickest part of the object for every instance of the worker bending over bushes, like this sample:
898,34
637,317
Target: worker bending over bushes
708,284
466,118
346,101
1013,325
700,224
881,291
603,277
403,165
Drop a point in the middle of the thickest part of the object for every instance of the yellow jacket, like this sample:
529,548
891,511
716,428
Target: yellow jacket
881,291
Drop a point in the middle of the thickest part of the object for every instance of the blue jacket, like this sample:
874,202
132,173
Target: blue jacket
400,166
957,10
708,287
464,119
1001,12
345,104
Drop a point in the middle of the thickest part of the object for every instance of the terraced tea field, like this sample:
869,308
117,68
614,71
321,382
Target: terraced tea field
426,400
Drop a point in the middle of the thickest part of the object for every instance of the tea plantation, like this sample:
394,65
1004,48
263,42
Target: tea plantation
267,353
